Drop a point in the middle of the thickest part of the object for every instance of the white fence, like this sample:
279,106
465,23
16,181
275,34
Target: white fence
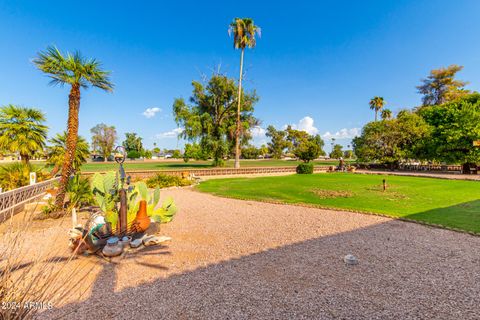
14,200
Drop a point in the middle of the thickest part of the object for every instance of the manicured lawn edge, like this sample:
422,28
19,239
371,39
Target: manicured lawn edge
307,205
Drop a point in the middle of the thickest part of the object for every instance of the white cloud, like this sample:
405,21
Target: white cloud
342,134
150,112
305,124
257,132
170,134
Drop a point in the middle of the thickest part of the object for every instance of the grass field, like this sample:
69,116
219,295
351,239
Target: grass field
180,164
446,202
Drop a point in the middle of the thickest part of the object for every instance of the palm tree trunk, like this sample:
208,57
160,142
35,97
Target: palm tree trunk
376,111
25,158
72,136
237,134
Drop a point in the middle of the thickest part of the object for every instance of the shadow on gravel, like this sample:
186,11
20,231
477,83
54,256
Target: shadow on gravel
404,271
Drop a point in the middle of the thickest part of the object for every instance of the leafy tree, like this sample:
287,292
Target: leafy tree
133,154
304,146
455,125
377,104
250,152
22,130
211,116
386,114
156,150
295,138
244,31
348,154
337,152
194,151
263,150
78,72
103,139
390,141
440,86
278,142
309,149
132,143
56,152
147,154
176,154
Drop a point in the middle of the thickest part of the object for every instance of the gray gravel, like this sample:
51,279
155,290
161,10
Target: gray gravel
232,259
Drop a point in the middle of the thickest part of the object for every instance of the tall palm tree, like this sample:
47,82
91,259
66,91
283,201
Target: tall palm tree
244,31
56,152
78,72
386,114
22,130
377,104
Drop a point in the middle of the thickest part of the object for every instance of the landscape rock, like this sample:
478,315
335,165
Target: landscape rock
136,243
154,240
350,259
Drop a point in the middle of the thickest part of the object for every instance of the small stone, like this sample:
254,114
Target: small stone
136,243
153,240
350,259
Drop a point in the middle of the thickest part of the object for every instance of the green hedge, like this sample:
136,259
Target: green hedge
305,168
163,181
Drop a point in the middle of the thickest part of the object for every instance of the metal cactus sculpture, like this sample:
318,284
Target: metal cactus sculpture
118,202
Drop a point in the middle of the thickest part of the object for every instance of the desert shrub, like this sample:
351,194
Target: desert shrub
38,275
305,168
17,174
163,181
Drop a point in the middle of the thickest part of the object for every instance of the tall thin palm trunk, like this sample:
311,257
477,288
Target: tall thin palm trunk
72,133
25,158
237,134
376,111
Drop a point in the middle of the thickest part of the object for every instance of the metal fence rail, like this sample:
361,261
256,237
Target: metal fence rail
14,200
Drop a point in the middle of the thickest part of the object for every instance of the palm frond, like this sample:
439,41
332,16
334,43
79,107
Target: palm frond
244,31
73,69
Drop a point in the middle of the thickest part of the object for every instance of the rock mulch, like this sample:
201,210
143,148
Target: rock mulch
233,259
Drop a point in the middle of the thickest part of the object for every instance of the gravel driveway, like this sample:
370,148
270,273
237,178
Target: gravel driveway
232,259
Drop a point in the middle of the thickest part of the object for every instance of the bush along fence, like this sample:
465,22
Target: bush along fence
13,201
412,167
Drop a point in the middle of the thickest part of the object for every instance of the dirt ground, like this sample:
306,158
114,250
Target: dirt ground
233,259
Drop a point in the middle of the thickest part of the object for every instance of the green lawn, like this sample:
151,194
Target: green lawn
446,202
180,164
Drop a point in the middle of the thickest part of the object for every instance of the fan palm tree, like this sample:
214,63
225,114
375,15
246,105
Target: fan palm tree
244,31
386,114
22,131
78,72
56,152
377,104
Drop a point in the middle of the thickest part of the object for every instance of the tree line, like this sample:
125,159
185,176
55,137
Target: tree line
442,130
24,133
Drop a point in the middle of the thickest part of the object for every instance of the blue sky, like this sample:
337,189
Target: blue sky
316,65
